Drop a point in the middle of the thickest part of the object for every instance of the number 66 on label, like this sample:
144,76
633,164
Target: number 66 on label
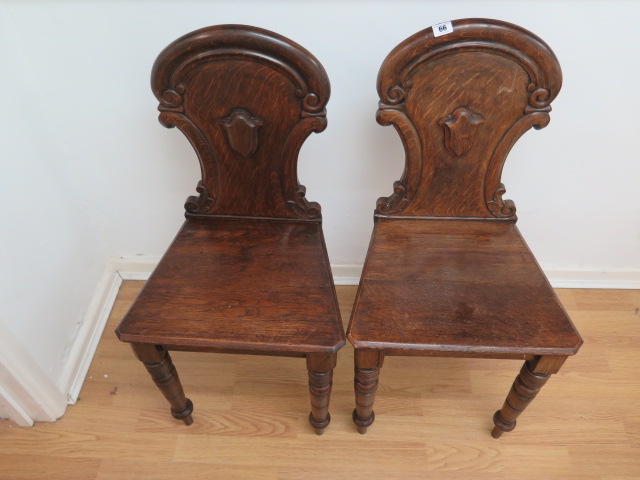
443,28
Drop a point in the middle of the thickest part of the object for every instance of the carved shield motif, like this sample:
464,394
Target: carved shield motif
242,131
459,129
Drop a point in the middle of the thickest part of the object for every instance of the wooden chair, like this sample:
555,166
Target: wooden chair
248,271
447,272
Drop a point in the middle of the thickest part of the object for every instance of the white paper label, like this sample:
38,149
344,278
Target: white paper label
443,28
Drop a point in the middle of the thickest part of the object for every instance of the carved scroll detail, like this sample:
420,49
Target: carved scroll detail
459,129
242,131
202,203
471,38
395,202
539,99
206,156
292,191
171,99
311,103
499,207
397,94
493,189
403,189
190,67
302,207
477,35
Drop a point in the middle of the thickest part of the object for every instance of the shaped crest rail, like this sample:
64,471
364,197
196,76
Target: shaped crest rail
459,102
246,99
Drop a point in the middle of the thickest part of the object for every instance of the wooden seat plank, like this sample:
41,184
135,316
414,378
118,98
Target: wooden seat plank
221,275
458,287
248,271
447,272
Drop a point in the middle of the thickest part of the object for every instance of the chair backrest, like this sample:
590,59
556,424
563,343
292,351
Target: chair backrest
246,99
460,101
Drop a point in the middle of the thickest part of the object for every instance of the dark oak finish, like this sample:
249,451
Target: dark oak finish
259,285
524,389
158,363
447,272
367,369
320,369
248,271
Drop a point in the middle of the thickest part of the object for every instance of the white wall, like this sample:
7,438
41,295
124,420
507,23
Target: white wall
51,254
87,172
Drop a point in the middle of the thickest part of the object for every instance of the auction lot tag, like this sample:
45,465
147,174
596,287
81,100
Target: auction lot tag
443,28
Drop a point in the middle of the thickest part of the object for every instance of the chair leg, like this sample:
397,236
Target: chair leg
367,369
533,375
320,368
159,365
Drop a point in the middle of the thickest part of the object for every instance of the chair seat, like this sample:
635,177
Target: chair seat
256,285
460,288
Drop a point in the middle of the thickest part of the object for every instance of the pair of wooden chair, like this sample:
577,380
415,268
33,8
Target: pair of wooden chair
447,272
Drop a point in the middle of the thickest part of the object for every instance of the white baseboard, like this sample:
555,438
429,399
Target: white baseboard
141,267
346,274
86,343
627,278
12,410
136,267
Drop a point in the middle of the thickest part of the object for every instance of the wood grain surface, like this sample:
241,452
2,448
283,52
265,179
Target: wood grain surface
459,103
246,98
252,417
457,288
248,271
258,285
447,272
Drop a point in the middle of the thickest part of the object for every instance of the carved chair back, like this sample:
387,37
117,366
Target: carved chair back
246,99
460,101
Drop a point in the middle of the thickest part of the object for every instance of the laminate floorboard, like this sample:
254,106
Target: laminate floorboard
250,416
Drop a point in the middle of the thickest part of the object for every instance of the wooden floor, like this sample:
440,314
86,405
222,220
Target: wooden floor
433,415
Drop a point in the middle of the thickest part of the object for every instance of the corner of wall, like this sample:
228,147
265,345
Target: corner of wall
86,342
26,391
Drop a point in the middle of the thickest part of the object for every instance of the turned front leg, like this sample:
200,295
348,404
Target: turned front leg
367,370
533,375
320,367
159,365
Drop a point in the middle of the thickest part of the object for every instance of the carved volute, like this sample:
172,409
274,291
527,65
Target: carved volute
459,102
201,81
